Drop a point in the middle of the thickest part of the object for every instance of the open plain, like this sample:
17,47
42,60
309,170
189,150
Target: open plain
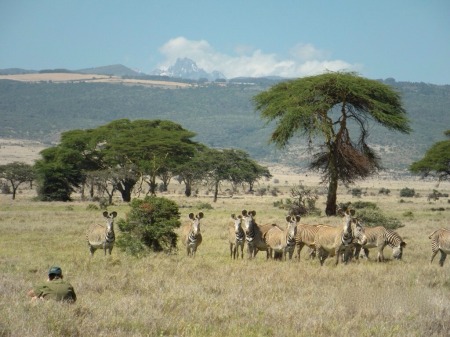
211,294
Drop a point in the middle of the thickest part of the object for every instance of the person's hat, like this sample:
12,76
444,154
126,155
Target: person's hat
55,271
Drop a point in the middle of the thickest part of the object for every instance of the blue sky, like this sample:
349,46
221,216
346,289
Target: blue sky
408,40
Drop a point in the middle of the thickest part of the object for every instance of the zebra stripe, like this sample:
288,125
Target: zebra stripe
332,241
254,234
192,237
236,237
280,241
101,237
380,237
440,242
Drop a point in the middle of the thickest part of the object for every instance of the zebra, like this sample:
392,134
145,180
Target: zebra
440,242
99,236
254,234
236,237
333,241
282,241
380,237
192,238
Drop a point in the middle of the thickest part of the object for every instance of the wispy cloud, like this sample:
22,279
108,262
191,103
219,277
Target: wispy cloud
304,60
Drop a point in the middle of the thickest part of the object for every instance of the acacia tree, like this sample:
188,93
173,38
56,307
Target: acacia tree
324,106
124,147
436,161
16,173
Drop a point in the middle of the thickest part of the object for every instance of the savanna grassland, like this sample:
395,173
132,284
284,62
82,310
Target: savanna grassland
213,295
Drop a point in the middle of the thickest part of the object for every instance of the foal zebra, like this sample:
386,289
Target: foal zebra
282,241
236,237
380,237
192,238
254,234
99,236
332,241
440,242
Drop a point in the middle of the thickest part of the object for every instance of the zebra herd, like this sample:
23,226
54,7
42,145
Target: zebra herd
343,242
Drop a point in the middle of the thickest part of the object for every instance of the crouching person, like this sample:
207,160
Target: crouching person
55,288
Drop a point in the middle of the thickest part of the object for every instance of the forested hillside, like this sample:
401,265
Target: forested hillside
222,116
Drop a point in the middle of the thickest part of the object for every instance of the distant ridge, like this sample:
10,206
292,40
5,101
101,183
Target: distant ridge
112,70
16,71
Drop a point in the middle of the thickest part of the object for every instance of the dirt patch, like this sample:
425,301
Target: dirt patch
25,151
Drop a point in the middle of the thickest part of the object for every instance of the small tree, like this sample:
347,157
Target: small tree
149,225
16,173
436,161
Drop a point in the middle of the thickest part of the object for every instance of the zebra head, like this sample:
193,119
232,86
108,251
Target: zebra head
249,224
195,229
237,220
109,220
291,229
353,229
397,244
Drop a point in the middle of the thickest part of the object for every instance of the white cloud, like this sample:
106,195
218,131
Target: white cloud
304,60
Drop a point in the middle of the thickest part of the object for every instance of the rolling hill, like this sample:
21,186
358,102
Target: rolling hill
221,113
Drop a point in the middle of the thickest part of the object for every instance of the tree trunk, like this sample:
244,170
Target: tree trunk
331,197
125,187
216,190
188,190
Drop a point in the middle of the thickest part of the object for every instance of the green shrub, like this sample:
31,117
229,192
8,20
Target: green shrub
204,206
364,204
356,192
407,192
372,218
149,226
92,207
384,191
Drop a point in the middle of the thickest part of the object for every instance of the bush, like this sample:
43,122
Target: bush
372,218
407,192
384,191
356,192
149,225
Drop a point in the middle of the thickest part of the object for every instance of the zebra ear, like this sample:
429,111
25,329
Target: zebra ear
191,216
244,212
288,218
253,213
105,214
403,244
341,212
297,218
200,215
352,212
113,214
233,216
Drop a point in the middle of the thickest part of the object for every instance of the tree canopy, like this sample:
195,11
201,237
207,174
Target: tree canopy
436,161
337,108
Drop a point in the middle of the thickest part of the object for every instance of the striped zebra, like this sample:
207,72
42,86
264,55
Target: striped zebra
282,242
101,237
236,237
380,237
192,237
440,242
335,241
254,234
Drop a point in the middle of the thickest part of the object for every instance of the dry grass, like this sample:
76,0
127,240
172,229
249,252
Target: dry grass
212,295
92,78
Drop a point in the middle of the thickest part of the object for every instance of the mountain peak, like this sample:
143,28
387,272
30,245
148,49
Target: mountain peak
187,69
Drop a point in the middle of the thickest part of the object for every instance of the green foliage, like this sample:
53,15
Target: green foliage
150,224
92,207
385,191
15,174
372,217
356,192
303,201
436,161
323,107
364,204
407,192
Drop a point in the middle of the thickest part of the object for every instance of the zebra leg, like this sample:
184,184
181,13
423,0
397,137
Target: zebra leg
299,249
433,255
442,259
366,252
91,250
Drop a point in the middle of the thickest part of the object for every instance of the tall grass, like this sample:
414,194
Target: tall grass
211,294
